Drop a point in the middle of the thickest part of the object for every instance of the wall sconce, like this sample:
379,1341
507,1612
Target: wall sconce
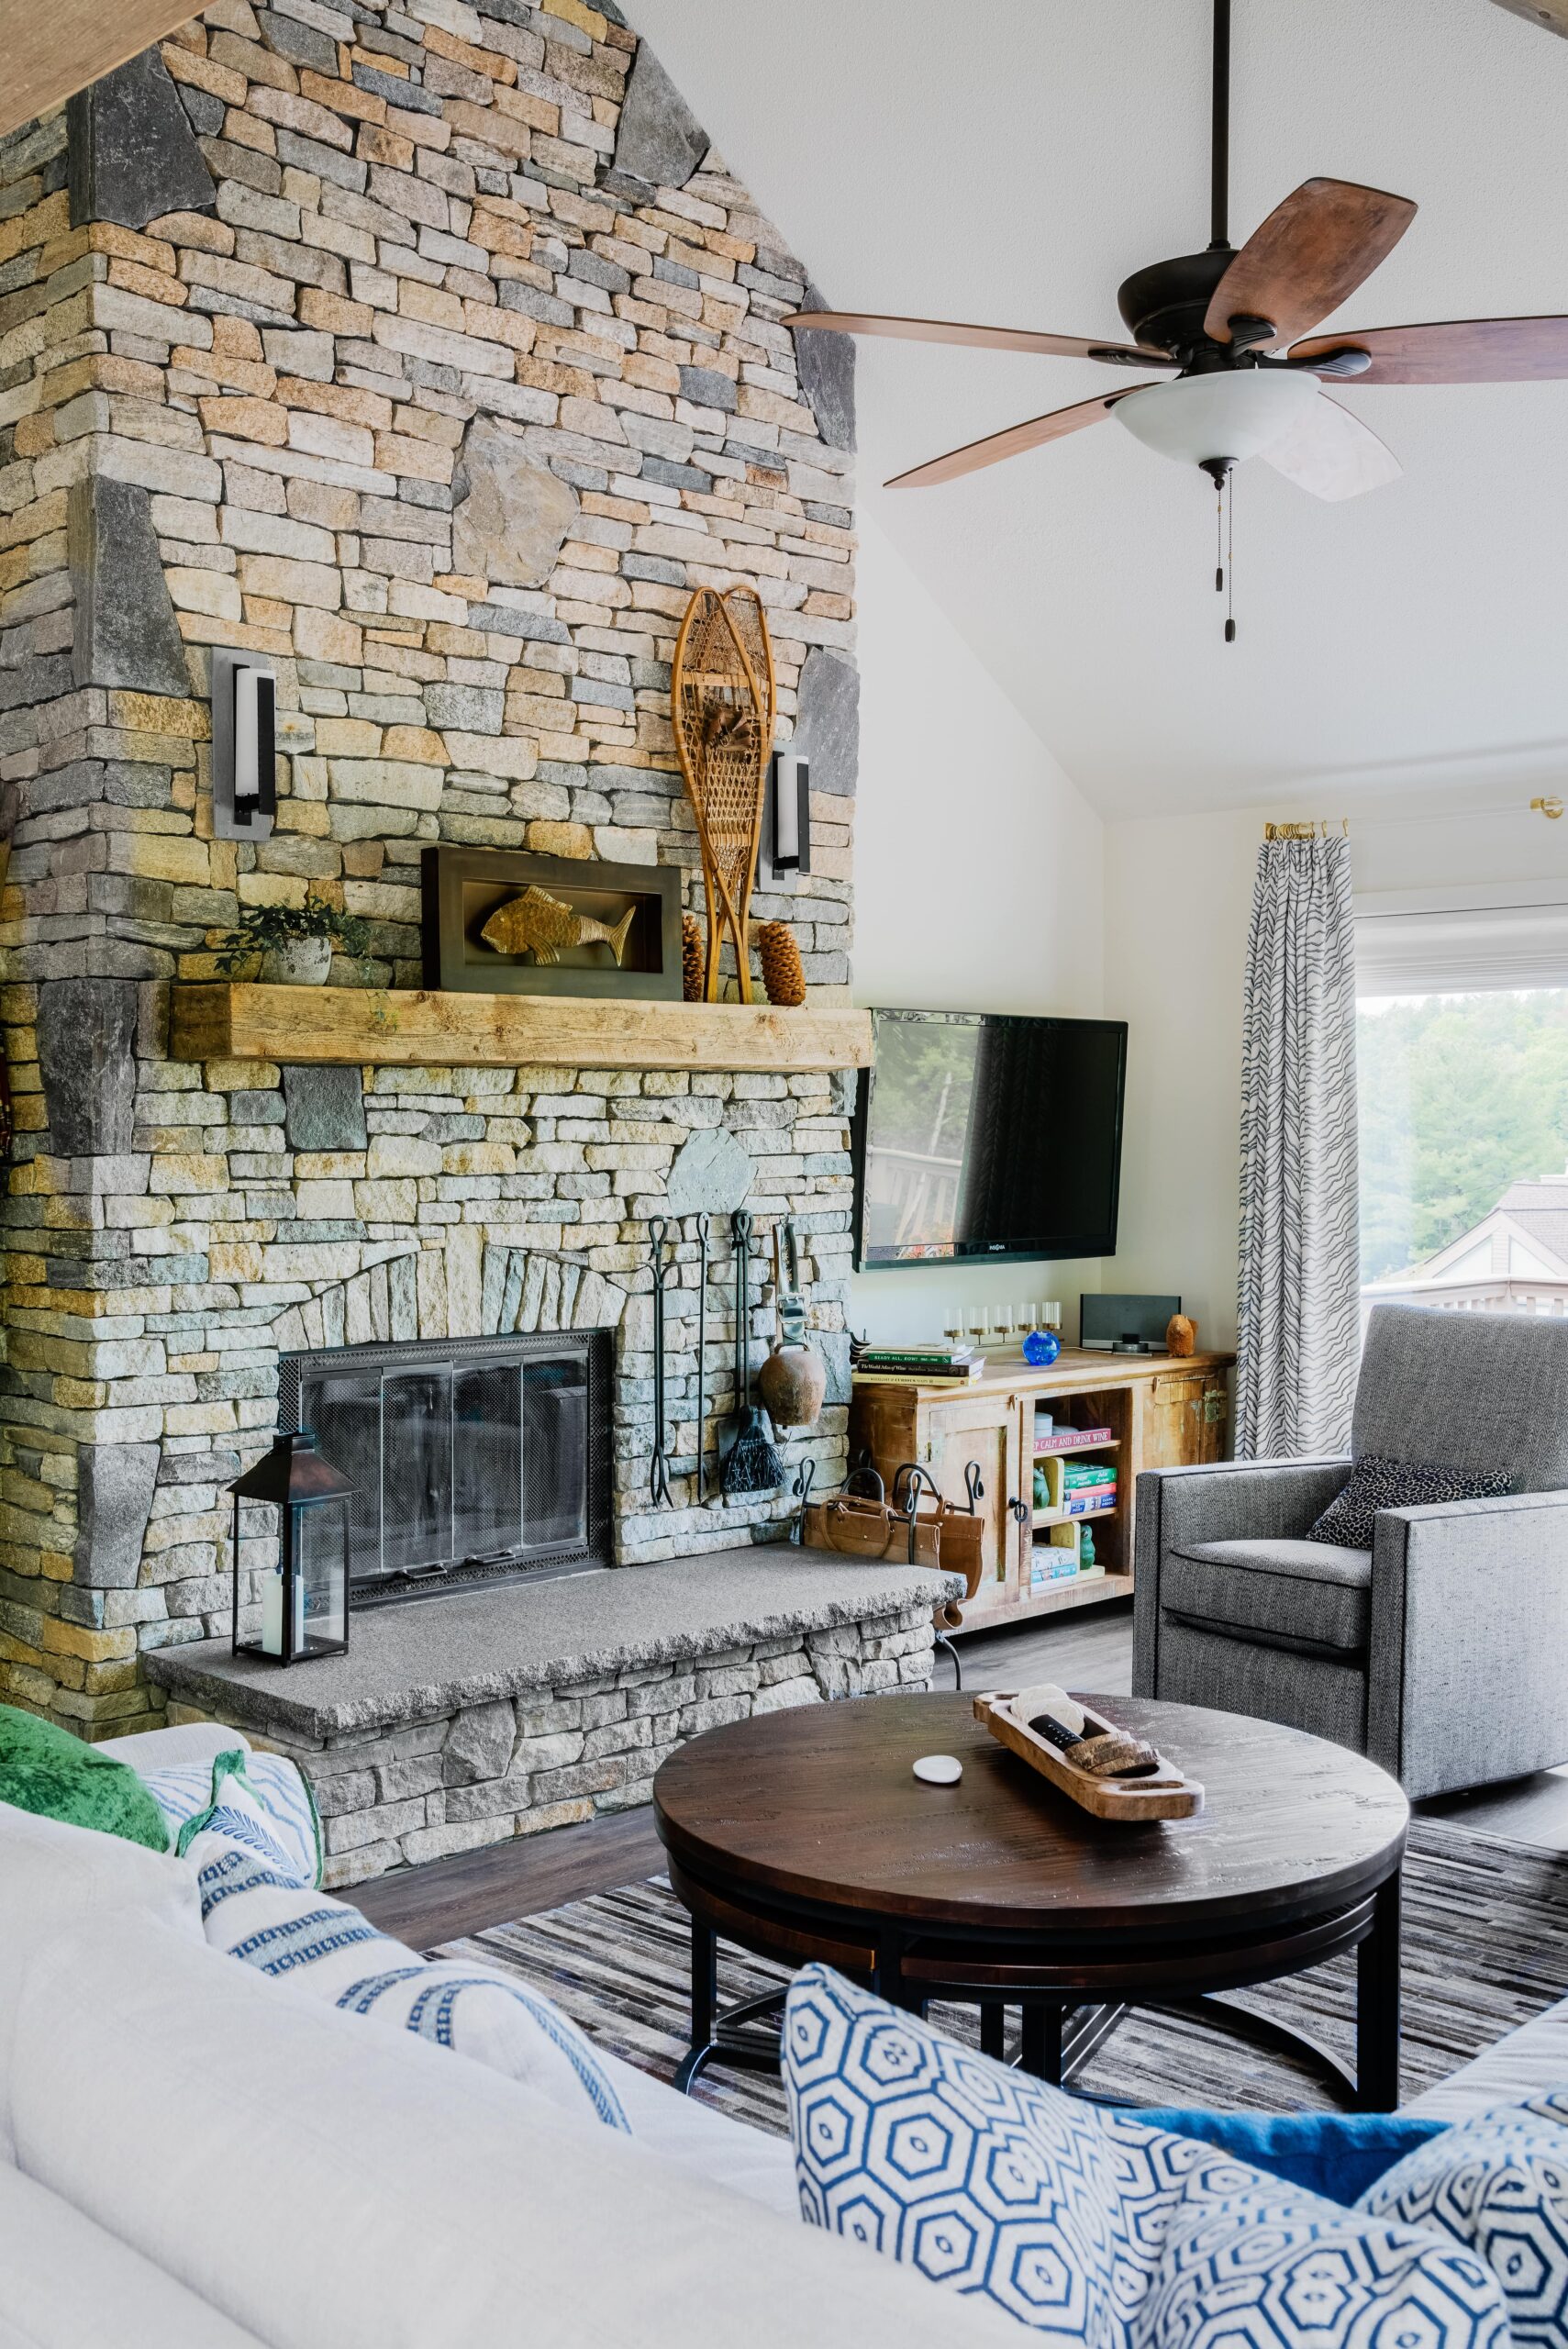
787,815
244,747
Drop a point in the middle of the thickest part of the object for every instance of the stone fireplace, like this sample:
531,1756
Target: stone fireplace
437,358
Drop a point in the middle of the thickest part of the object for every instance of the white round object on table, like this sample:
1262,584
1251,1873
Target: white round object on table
939,1769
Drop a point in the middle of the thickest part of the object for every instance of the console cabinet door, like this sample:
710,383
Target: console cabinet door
1184,1419
988,1430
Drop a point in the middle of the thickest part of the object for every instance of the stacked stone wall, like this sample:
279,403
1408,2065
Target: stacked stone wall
434,355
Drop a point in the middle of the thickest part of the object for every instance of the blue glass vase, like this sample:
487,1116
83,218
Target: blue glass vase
1041,1348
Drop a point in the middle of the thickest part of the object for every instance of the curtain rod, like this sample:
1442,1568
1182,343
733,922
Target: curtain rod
1324,827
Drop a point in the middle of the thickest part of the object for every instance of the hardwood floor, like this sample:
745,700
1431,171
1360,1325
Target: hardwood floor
1091,1650
447,1899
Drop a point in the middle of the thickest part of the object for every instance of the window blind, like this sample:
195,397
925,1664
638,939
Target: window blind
1451,942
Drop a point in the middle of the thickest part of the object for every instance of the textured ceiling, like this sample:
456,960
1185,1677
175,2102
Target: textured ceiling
1011,162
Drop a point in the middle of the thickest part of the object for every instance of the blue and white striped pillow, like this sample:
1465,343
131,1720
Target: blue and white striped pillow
262,1798
284,1930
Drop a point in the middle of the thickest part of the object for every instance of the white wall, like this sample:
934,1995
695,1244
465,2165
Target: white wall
1178,894
978,882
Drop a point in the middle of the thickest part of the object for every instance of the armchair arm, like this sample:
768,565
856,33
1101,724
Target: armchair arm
1469,1624
1222,1500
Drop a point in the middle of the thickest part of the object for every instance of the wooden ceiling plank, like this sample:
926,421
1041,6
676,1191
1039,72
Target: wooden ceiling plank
1552,14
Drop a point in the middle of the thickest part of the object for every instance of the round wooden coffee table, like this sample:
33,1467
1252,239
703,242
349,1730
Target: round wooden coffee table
802,1835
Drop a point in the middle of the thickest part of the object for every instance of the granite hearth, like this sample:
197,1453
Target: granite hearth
504,1711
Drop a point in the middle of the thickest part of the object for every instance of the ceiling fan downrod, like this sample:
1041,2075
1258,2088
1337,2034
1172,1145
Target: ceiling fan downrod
1220,134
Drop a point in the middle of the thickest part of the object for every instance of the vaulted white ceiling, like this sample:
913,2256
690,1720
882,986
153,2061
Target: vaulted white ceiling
1010,161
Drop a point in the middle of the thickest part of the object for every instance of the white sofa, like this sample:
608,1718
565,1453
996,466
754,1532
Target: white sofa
193,2156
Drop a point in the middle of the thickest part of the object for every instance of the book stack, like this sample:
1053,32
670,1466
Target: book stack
1071,1438
1088,1488
1051,1563
943,1364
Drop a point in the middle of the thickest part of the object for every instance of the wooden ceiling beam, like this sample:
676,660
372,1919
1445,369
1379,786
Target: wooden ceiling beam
1552,14
54,48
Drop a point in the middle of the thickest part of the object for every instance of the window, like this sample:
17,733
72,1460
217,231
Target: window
1463,1079
1463,1060
1464,1149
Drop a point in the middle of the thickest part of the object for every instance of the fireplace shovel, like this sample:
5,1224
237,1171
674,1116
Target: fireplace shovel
753,1465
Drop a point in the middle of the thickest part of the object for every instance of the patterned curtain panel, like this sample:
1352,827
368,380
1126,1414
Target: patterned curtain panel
1299,1307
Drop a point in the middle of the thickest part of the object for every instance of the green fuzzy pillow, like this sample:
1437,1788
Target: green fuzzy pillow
46,1770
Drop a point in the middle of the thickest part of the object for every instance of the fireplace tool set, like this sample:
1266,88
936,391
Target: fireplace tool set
792,1383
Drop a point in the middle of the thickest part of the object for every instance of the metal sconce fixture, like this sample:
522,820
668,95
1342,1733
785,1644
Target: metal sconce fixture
787,815
244,769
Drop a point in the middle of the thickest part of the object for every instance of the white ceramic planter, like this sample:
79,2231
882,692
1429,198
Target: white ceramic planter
302,963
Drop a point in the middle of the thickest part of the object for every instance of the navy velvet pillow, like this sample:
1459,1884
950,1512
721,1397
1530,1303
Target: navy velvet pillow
1336,2155
1379,1483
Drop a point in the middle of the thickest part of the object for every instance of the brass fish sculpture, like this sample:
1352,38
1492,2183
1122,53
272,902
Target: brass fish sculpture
545,924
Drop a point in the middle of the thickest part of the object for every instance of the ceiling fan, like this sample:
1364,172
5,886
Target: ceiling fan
1245,374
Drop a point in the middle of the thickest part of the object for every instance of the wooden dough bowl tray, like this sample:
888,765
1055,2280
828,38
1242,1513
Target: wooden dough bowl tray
1162,1793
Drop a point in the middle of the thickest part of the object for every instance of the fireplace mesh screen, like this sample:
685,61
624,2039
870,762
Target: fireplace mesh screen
471,1459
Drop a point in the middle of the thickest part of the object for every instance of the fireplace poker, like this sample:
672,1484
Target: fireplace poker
659,1467
702,1358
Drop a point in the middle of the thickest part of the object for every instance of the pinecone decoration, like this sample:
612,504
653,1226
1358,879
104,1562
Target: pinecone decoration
781,972
693,972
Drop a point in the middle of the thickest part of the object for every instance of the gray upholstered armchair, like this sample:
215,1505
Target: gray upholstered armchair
1442,1650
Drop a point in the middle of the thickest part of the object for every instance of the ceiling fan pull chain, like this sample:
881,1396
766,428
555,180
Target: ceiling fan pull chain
1219,536
1231,556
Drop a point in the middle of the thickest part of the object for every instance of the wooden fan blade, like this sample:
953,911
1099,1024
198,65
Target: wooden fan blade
1333,454
1012,442
1455,350
1047,346
1310,254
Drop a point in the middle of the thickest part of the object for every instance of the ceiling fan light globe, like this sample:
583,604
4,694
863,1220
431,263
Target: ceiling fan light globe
1225,417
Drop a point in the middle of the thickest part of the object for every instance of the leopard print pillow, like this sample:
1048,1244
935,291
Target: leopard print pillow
1378,1483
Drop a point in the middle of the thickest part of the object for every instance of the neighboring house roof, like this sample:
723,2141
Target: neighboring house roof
1535,1212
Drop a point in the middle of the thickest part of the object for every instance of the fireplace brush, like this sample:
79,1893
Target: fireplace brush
659,1467
753,1465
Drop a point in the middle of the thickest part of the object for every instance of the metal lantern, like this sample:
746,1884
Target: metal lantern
304,1597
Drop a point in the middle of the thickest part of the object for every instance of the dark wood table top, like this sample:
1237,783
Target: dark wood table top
819,1805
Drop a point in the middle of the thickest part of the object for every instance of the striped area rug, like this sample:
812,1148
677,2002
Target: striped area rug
1485,1947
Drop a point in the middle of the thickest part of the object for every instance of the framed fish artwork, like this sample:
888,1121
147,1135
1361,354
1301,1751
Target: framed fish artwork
499,922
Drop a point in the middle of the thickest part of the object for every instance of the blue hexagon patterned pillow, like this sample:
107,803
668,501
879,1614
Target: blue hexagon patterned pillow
1499,2184
1082,2222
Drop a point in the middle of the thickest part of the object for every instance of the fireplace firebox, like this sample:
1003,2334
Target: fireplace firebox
472,1460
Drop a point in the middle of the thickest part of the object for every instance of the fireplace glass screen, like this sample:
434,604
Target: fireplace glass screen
479,1458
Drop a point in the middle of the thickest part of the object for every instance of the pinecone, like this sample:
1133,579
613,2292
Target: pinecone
693,972
781,972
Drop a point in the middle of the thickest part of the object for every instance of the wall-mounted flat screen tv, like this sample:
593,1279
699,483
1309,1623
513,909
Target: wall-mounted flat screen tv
980,1134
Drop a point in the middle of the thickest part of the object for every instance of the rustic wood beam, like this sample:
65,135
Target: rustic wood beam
1552,14
54,48
418,1028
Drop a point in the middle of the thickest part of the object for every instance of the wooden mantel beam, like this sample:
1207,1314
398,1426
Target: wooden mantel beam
418,1028
54,48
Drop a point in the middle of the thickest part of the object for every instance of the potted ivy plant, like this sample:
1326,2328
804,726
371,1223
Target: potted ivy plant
293,945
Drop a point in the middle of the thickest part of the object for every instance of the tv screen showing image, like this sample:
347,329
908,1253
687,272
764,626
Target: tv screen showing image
980,1134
